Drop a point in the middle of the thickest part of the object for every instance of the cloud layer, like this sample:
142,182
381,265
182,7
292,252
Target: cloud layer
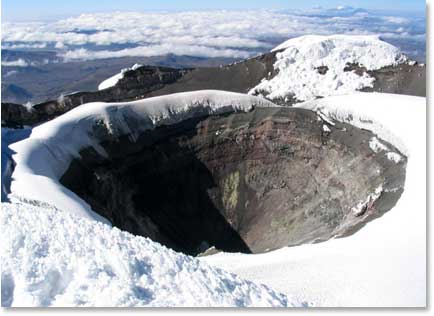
237,34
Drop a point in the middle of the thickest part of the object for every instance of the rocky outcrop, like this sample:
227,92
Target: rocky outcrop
134,85
248,182
402,79
17,115
405,78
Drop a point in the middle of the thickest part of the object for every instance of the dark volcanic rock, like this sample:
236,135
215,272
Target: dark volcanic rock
322,70
248,182
135,85
401,79
17,115
237,77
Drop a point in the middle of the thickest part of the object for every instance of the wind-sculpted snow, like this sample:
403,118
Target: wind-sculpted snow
317,66
44,157
54,258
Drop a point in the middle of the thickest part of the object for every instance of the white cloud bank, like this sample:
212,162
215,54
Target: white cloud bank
15,63
222,33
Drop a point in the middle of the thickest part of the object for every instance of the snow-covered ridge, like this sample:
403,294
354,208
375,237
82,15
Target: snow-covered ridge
44,157
113,80
311,66
53,258
376,119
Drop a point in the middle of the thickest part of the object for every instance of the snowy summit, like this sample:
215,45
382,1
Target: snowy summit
311,66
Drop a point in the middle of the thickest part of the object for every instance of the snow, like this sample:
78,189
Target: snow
370,113
297,65
326,129
29,106
394,156
365,204
44,157
54,258
112,81
383,264
376,145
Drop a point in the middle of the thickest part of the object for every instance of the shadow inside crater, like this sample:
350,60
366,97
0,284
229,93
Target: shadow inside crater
244,182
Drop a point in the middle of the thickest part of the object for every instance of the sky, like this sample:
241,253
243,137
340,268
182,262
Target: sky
14,10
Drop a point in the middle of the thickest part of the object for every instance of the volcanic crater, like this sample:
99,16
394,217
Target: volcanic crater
241,182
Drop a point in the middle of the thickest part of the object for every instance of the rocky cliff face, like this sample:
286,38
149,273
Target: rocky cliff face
248,182
402,79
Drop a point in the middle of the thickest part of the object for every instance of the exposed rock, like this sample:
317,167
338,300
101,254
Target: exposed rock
236,77
402,79
322,70
135,85
17,115
248,182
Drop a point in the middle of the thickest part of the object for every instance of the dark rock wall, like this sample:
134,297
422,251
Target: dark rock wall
248,182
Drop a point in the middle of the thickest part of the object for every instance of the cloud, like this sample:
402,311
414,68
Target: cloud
15,63
15,45
11,73
154,50
396,19
221,33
